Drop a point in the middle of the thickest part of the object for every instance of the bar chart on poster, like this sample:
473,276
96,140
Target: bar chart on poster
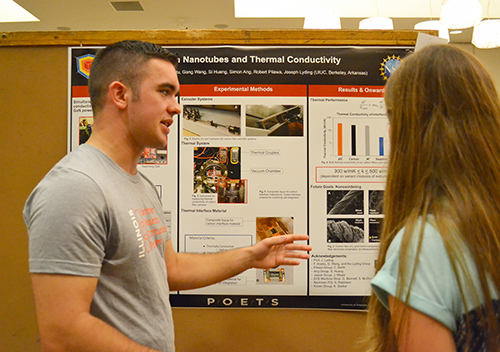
359,135
368,137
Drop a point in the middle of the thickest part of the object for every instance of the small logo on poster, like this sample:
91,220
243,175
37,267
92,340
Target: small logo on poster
83,64
389,65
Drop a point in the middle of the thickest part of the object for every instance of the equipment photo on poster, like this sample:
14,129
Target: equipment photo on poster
274,120
269,227
211,120
214,167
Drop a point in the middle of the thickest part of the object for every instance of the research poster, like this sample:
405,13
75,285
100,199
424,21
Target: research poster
271,141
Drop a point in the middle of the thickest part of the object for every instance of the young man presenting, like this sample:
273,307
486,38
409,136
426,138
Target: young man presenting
98,285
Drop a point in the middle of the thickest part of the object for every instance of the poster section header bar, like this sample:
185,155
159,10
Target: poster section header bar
221,90
277,65
347,91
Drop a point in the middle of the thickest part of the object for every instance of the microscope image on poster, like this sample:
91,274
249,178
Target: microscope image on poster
345,230
211,120
274,120
376,202
345,202
270,227
375,229
217,170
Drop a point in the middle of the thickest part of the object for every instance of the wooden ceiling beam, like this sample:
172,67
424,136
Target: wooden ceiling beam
217,37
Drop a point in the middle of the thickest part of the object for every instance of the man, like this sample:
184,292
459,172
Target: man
102,263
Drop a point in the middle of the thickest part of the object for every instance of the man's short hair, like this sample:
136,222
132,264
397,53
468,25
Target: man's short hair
124,62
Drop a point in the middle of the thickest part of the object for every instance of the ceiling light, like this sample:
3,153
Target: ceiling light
435,25
376,23
461,13
322,19
486,35
12,12
358,9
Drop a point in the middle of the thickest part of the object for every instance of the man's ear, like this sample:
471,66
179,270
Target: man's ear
119,94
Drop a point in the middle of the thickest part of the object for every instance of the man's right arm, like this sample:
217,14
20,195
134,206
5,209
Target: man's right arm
64,320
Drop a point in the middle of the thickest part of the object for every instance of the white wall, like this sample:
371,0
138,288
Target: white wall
490,58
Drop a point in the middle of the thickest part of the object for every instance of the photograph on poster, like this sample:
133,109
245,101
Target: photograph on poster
153,156
345,230
211,120
85,127
214,166
345,202
231,191
274,120
269,227
273,226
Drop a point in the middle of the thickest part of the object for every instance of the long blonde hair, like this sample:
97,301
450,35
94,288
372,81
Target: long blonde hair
444,114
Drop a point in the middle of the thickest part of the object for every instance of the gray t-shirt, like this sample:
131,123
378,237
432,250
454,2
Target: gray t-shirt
88,217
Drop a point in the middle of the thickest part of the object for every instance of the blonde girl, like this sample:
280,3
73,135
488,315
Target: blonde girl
438,272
